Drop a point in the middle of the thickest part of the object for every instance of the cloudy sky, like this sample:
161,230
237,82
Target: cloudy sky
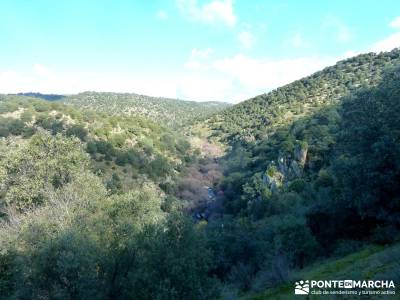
226,50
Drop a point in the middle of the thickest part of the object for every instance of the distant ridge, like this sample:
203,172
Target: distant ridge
171,112
48,97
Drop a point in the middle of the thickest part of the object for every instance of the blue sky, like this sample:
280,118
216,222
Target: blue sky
227,50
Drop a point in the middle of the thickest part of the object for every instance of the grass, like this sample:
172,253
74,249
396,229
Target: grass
373,262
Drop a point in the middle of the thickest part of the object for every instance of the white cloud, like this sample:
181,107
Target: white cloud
217,11
387,44
395,23
12,82
197,58
233,79
41,70
162,15
336,27
196,53
203,86
349,54
266,74
193,65
246,39
81,80
205,76
390,42
343,34
239,77
297,41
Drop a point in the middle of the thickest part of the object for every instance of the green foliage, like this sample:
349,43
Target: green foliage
9,126
370,263
313,165
257,118
119,247
169,112
311,172
159,167
77,131
131,145
76,242
293,239
114,184
32,171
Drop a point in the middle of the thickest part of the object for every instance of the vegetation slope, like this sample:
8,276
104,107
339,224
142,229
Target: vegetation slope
309,182
85,208
312,172
121,148
171,112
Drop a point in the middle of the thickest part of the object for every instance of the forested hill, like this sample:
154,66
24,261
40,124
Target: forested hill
95,196
49,97
123,150
255,118
312,173
171,112
85,211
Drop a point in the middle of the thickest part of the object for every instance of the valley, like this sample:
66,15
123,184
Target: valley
125,196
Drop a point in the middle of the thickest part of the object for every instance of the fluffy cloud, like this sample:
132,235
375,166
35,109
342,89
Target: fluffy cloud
240,77
231,79
395,23
198,53
41,70
298,41
266,74
30,80
337,28
390,42
387,44
205,77
12,81
217,11
246,39
203,87
197,58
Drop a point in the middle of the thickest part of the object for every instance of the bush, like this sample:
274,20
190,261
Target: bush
77,131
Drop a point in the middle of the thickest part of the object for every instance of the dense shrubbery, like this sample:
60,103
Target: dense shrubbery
75,242
255,119
89,206
116,144
325,180
169,112
31,173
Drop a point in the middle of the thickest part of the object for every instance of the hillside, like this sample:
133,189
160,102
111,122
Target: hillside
361,264
256,118
312,172
104,202
122,149
86,201
49,97
291,190
171,112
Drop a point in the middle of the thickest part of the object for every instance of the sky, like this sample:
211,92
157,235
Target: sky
220,50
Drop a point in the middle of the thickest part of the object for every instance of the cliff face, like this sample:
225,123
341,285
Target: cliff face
286,168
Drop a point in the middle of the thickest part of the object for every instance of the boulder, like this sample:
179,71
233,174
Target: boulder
300,154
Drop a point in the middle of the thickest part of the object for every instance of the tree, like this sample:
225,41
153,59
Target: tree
34,170
78,131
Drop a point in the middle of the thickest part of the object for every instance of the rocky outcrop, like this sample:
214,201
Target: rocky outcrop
286,168
300,153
